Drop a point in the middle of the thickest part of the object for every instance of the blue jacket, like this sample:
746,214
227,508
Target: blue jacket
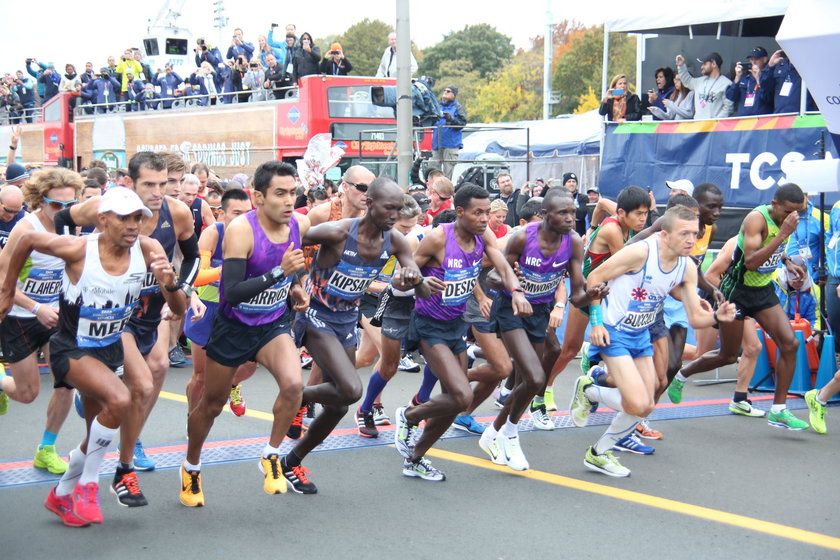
450,137
149,100
783,72
808,308
832,241
200,86
50,84
26,92
135,91
37,75
101,91
168,83
213,56
763,100
235,50
279,50
807,238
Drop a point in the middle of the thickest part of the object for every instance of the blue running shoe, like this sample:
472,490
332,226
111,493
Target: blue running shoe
141,461
599,375
80,408
467,423
631,444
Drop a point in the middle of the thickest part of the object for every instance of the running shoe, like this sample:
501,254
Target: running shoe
191,493
786,419
77,401
606,464
415,400
404,434
296,477
490,447
407,364
85,499
467,423
47,458
584,358
816,411
309,415
380,417
675,390
550,405
296,428
275,482
643,430
631,444
141,461
127,490
422,468
500,400
511,452
4,402
365,423
581,406
745,408
539,416
598,373
237,403
62,506
305,359
177,358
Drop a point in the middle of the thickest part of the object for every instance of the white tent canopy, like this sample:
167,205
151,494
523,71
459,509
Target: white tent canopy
697,14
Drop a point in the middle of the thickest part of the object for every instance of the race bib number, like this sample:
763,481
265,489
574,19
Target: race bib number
772,263
538,284
349,281
150,285
640,314
269,300
43,286
459,284
100,327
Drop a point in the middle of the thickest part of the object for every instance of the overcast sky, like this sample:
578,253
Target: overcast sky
72,32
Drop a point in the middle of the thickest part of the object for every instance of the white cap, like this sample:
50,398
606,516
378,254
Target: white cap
122,202
682,185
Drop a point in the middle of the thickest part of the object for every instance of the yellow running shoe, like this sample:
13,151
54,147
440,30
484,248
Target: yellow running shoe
274,483
550,405
47,458
191,493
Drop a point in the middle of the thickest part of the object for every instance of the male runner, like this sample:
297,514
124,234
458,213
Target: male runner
351,254
261,256
451,253
748,284
639,277
33,319
543,252
104,274
146,359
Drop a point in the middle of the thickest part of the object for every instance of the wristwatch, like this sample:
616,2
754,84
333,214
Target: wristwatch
188,290
276,273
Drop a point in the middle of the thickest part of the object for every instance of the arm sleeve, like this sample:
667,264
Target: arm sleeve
64,224
237,289
192,260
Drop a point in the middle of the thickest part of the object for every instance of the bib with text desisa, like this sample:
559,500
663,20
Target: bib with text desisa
459,284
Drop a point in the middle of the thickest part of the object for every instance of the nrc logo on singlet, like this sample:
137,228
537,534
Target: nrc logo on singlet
454,263
533,261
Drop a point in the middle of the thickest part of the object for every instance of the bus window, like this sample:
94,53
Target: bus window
176,46
151,47
355,102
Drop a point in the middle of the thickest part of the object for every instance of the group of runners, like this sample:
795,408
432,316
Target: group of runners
271,281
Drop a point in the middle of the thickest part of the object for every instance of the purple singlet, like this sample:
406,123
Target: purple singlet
270,304
459,272
540,273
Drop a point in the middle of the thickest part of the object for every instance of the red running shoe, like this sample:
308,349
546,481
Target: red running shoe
62,506
86,502
237,403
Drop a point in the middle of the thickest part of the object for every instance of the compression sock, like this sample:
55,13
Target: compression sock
48,438
609,396
375,386
71,475
622,425
99,441
739,396
429,381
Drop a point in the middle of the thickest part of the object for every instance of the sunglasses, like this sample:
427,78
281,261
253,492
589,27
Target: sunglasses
255,66
361,187
11,210
58,204
442,198
219,207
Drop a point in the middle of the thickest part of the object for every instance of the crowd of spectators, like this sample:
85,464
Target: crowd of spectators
762,85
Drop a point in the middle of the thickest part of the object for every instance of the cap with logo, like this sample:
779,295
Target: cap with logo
712,57
681,185
122,202
758,52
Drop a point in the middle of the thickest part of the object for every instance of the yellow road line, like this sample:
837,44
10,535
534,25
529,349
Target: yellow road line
252,413
775,529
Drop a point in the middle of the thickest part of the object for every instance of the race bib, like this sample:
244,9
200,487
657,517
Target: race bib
150,285
43,286
538,284
772,263
640,315
102,327
269,300
459,285
349,281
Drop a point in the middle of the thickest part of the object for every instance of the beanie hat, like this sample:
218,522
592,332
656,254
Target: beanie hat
16,172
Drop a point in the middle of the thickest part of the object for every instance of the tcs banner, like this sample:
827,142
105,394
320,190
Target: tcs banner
747,158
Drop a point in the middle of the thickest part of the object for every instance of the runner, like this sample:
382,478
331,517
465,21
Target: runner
451,253
32,320
103,277
351,254
748,285
254,321
639,277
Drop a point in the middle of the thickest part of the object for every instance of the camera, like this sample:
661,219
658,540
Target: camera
29,61
273,25
747,66
333,52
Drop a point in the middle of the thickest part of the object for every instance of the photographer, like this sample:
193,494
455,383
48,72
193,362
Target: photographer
274,76
103,91
787,85
206,53
335,63
50,78
9,106
238,47
25,90
254,81
306,58
128,66
237,78
618,104
752,90
168,82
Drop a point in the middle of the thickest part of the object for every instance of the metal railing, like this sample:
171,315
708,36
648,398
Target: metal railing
22,116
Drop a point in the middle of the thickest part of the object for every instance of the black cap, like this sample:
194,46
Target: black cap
422,201
712,57
567,176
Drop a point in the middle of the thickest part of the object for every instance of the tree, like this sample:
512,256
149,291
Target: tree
460,73
481,45
512,94
579,65
363,43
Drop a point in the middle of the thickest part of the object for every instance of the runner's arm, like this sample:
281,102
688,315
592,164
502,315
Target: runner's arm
700,317
84,214
647,232
521,306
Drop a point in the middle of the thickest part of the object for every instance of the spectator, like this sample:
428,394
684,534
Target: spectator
440,198
680,106
752,90
36,74
70,81
146,72
238,47
254,81
134,93
226,76
205,52
279,46
306,58
104,91
87,75
207,81
498,215
51,79
512,198
388,63
787,85
168,82
593,195
149,100
619,104
25,90
9,105
237,79
266,49
664,88
11,210
202,172
335,63
274,76
798,296
112,69
446,140
710,100
127,63
805,240
291,29
570,183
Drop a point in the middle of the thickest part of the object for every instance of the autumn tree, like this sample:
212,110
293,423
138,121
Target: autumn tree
484,48
513,93
363,44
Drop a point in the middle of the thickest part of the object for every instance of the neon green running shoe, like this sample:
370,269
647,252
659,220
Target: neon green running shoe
580,406
584,358
785,419
606,464
816,412
4,403
47,458
675,390
550,405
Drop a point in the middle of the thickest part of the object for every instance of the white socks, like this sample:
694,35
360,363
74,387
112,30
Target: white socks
510,429
609,396
268,450
71,475
99,442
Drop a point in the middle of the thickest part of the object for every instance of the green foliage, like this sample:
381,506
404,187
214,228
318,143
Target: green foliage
484,48
460,73
512,94
363,44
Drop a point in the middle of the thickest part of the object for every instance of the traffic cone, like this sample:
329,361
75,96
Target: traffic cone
801,382
828,365
762,368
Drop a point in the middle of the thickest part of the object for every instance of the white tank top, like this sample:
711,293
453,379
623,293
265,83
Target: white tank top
97,308
636,298
42,282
